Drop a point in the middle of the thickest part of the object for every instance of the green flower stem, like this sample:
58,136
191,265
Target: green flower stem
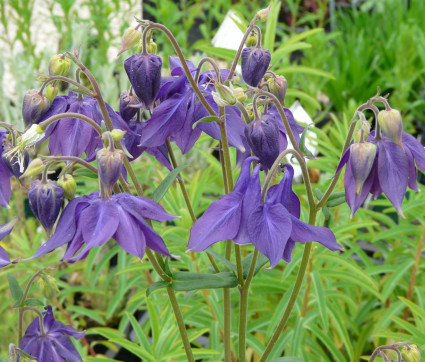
139,189
243,311
186,196
22,304
239,265
54,78
72,159
308,287
213,64
84,118
40,316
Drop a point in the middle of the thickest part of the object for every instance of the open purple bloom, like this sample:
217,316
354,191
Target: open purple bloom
5,230
54,344
91,221
393,169
273,227
73,136
5,175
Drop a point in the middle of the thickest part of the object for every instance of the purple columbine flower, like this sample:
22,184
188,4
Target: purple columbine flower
127,100
144,72
72,136
91,221
255,61
5,230
45,198
393,169
52,345
5,175
273,227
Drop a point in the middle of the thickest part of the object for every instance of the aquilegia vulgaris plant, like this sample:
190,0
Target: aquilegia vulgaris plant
245,118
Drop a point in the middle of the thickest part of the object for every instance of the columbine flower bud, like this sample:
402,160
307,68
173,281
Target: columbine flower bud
250,111
254,62
240,94
151,47
69,186
263,14
365,127
117,134
251,40
34,168
47,284
223,96
391,124
130,38
277,86
126,101
45,199
362,157
144,72
34,106
51,92
263,138
411,353
109,164
59,65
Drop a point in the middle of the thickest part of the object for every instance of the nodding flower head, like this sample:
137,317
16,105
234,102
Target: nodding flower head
392,125
10,160
144,72
263,138
45,198
109,163
34,106
127,100
254,62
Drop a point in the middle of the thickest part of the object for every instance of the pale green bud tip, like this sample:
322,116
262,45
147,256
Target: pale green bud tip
34,168
263,14
411,353
277,86
117,134
67,182
59,65
362,157
240,94
392,125
251,40
130,38
223,96
51,92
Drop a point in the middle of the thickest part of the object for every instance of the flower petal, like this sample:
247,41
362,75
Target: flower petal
269,228
416,148
393,171
219,222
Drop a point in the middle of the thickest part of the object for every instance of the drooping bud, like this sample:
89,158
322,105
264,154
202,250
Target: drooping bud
254,62
59,65
69,185
411,353
263,138
151,47
45,199
85,81
51,92
109,164
47,284
277,86
362,156
250,111
251,40
223,96
144,72
15,164
130,38
263,14
34,106
240,94
365,127
126,100
34,168
391,124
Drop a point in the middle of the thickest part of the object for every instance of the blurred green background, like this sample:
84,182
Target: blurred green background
334,54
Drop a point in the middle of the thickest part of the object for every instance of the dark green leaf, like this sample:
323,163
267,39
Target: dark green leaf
326,212
34,302
15,289
155,286
246,263
161,190
185,281
302,143
336,201
221,258
85,172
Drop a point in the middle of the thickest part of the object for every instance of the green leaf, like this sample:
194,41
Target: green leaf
223,53
221,258
134,348
85,172
301,36
321,299
394,280
302,143
34,302
155,286
326,213
307,98
185,281
287,359
246,263
161,190
207,119
139,332
15,289
154,322
305,70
